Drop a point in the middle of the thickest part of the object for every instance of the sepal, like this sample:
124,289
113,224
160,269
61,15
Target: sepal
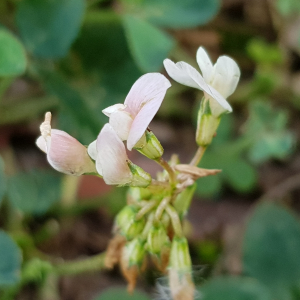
150,146
207,124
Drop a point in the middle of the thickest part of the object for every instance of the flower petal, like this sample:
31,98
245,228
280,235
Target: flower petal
141,121
208,89
41,143
65,154
226,76
121,122
113,108
112,157
205,64
92,150
149,87
180,73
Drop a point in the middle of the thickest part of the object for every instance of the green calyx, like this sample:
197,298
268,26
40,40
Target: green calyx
150,146
207,124
127,224
135,252
157,239
140,177
180,258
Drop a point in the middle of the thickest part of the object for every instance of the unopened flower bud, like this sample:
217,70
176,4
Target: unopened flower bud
134,252
183,200
127,224
64,153
165,220
131,261
140,178
150,146
157,239
136,194
207,124
180,277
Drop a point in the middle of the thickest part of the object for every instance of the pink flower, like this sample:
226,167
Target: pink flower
112,161
131,119
64,153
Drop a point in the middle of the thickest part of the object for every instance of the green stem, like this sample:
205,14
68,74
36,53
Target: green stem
198,156
148,225
169,169
161,207
91,264
145,209
171,211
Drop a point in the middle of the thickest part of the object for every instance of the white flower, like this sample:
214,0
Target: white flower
131,119
64,153
217,81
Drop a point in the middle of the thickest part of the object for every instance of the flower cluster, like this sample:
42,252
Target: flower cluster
151,222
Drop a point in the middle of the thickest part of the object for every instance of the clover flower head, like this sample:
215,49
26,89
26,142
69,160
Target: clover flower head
64,153
217,81
131,119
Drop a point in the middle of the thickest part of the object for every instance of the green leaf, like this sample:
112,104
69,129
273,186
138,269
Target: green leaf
49,27
177,13
271,249
240,175
149,45
2,180
266,128
233,288
34,192
12,55
288,7
264,53
209,186
72,101
104,54
121,293
10,260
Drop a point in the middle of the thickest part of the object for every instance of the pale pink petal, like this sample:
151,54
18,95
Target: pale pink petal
113,108
41,143
148,87
226,76
121,122
112,157
67,155
142,120
180,73
205,64
92,150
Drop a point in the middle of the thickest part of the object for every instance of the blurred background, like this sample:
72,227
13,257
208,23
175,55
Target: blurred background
75,58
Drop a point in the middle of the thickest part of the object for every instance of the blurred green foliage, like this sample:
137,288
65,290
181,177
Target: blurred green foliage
33,193
49,27
121,293
229,288
10,262
271,250
12,54
3,182
228,154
